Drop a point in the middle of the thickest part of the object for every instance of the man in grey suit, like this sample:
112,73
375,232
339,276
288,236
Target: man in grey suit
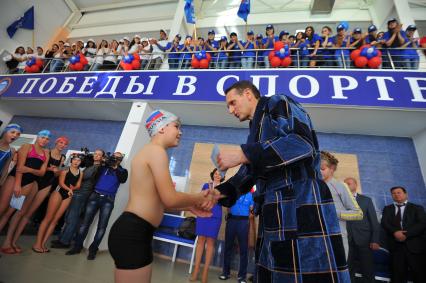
363,236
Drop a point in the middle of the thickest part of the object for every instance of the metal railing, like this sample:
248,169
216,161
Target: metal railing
336,58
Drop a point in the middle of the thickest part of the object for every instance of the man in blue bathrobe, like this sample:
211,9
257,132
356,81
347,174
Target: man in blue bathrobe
299,235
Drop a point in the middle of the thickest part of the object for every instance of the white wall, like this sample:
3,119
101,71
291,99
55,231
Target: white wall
420,145
5,116
49,16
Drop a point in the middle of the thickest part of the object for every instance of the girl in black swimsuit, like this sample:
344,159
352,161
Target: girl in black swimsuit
59,201
32,163
21,218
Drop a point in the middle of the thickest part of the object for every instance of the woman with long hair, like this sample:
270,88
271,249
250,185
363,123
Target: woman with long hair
313,40
207,229
69,180
44,183
32,163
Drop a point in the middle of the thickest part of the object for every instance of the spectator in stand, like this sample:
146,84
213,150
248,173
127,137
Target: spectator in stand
30,53
21,57
40,53
409,56
268,43
173,49
342,40
111,57
187,50
382,45
135,44
58,62
123,48
222,54
292,39
303,59
103,50
146,53
158,48
247,61
235,57
284,36
259,54
325,55
69,180
200,44
371,37
394,38
423,44
313,40
356,41
212,46
51,52
90,52
109,178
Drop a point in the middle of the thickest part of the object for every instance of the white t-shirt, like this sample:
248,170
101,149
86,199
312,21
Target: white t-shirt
90,54
21,65
157,52
146,55
100,55
111,57
134,48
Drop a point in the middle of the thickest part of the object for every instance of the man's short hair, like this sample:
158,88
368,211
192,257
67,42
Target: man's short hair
398,187
351,178
242,85
329,158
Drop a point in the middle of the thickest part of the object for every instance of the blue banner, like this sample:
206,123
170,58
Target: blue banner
372,88
189,11
26,22
244,10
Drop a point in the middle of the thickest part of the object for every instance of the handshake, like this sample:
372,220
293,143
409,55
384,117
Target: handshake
207,199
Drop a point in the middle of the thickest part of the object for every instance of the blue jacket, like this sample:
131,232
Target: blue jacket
109,179
298,220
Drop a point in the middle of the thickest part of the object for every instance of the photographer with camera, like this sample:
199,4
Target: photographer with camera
110,176
92,163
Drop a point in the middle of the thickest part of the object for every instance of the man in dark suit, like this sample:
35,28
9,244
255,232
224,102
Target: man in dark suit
405,226
363,236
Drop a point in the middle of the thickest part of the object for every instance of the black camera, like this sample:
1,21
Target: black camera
111,160
86,158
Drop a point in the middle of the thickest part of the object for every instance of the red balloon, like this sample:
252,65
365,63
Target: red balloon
35,69
195,63
136,64
375,62
271,55
278,45
39,62
78,66
71,67
379,53
27,69
355,54
136,56
209,57
286,61
275,61
83,60
361,61
204,64
127,66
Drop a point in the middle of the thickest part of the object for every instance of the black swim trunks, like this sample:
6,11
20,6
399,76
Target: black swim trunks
130,241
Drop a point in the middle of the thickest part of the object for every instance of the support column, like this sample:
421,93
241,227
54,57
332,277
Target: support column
133,138
403,10
5,117
420,145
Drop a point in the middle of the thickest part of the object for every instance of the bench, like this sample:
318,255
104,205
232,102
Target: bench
167,232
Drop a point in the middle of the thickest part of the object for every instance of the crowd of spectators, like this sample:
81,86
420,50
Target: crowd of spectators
308,49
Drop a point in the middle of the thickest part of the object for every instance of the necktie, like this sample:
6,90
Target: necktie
398,217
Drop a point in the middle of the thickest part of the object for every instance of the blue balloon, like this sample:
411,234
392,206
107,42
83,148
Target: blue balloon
364,52
375,52
203,54
127,59
199,55
31,62
286,47
345,25
370,52
74,59
131,57
286,54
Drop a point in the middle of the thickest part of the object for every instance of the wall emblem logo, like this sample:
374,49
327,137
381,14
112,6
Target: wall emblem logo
5,84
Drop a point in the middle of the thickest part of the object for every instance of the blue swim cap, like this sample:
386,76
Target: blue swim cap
44,133
13,127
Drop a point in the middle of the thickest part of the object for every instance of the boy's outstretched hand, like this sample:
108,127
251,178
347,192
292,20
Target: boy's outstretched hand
210,198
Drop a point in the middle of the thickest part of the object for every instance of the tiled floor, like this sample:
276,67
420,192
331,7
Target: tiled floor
29,267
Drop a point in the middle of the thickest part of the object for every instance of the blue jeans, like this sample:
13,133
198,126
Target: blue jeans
96,202
236,227
247,62
266,61
222,63
72,217
56,65
173,63
234,65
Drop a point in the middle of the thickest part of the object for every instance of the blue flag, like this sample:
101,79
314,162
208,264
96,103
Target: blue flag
244,10
27,22
189,11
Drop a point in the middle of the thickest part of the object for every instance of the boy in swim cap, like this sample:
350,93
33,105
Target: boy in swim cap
151,192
